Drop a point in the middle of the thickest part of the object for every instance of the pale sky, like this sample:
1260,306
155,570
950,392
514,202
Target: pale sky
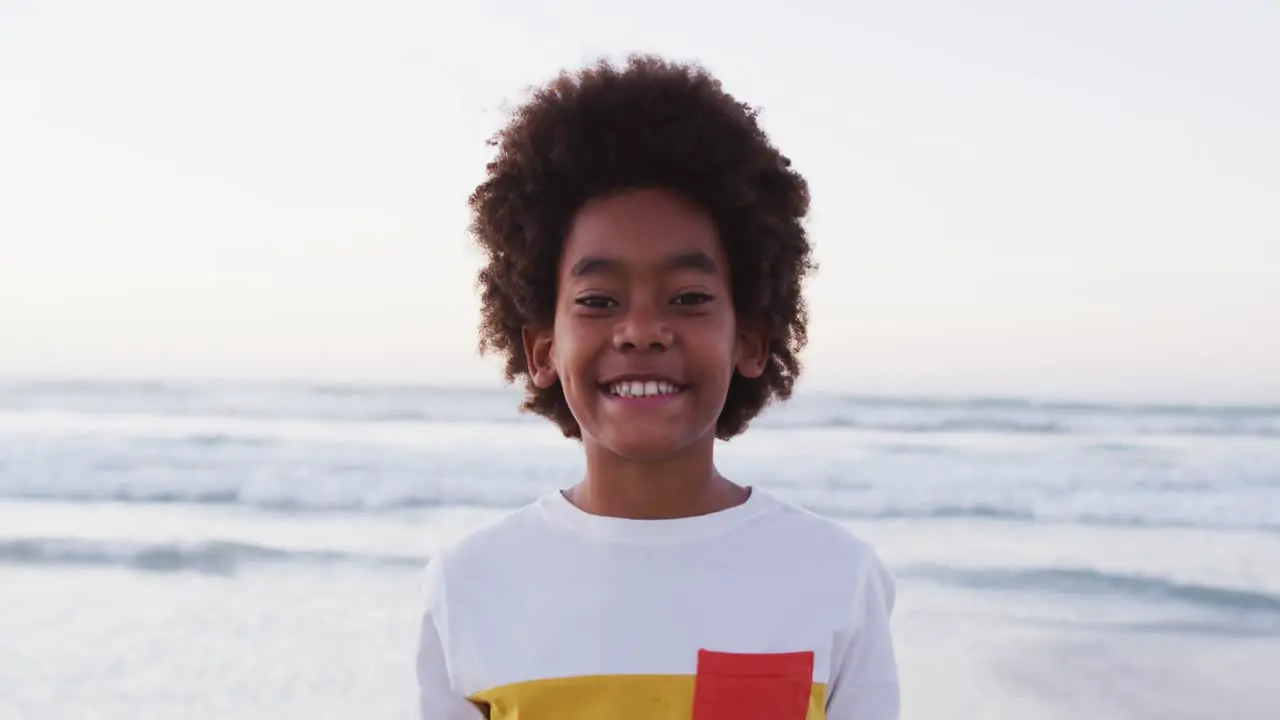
1059,199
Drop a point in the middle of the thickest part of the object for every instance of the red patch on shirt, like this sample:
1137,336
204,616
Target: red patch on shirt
751,686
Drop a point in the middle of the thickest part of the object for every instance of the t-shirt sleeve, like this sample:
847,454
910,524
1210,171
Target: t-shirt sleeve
437,699
864,683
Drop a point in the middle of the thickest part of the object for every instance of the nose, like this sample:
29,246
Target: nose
642,329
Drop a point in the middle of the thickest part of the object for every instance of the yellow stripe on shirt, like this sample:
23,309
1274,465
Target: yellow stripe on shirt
611,697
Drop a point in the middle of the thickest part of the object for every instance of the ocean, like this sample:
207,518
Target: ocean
233,550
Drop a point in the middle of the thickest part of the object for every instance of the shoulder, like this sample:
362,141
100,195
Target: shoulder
801,529
492,542
850,565
506,548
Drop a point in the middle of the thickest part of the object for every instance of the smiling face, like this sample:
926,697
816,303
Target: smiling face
645,339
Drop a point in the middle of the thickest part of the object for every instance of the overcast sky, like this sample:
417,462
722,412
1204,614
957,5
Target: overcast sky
1058,199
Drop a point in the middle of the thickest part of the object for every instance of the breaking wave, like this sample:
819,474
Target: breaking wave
1083,581
206,557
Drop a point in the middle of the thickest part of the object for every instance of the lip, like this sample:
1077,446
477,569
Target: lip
641,377
644,401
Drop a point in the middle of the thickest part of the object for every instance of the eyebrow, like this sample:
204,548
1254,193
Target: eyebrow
696,260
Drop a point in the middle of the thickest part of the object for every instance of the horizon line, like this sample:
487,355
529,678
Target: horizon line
1061,400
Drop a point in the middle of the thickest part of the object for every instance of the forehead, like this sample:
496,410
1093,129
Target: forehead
641,229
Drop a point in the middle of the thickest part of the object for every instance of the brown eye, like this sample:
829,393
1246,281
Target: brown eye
596,302
692,298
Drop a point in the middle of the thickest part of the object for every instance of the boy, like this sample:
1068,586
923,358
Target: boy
645,255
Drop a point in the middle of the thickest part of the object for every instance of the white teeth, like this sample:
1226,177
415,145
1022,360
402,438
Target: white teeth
637,388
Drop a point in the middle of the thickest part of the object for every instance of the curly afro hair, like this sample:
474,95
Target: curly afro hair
650,123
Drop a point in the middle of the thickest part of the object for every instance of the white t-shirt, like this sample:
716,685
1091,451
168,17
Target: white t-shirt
763,610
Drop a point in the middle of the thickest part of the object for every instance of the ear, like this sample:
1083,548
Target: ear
752,352
538,356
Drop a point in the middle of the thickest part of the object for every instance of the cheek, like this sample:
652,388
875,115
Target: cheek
569,350
713,341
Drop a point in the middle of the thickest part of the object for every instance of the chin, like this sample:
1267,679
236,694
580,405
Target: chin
645,449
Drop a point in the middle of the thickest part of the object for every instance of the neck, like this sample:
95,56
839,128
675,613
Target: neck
681,485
